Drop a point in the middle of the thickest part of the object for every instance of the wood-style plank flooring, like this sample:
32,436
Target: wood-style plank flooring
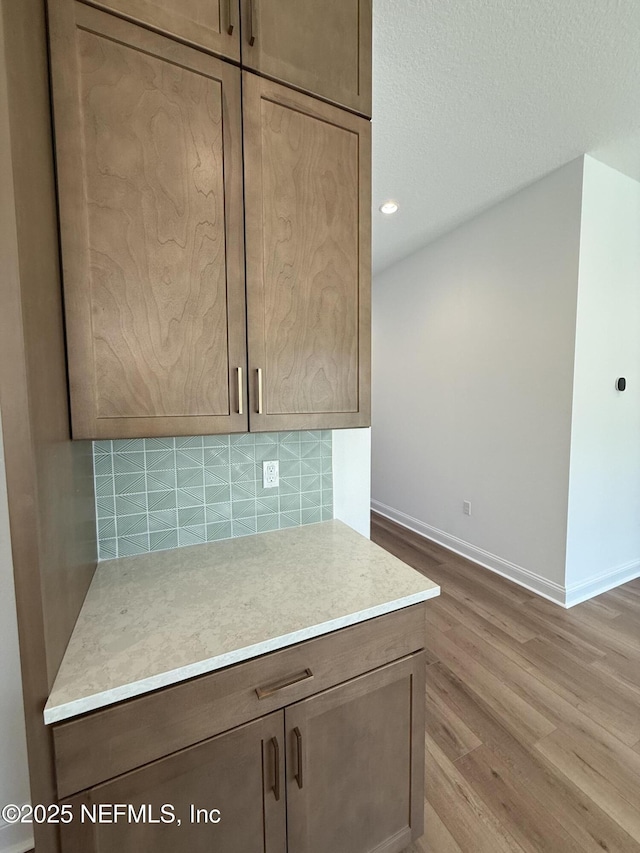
533,713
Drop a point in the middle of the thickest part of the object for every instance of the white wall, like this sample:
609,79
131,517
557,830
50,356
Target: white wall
352,478
14,777
473,349
603,546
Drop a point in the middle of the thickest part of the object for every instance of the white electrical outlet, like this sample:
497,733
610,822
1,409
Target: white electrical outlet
270,474
466,507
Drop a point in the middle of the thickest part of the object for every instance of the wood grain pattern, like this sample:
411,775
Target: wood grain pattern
614,786
202,23
232,772
107,743
310,189
470,820
575,787
154,183
523,676
320,46
438,837
49,478
447,730
519,716
622,666
587,823
307,212
151,209
523,816
362,761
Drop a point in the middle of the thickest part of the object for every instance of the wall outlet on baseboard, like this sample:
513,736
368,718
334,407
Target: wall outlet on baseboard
270,474
466,507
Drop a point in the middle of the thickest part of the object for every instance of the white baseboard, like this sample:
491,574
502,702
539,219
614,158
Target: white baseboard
564,596
576,593
15,837
531,581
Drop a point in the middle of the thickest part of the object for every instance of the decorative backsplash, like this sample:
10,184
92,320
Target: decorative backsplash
158,493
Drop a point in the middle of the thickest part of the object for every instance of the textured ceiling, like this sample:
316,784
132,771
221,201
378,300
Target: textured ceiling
474,99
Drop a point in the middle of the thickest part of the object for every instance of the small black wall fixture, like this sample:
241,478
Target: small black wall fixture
621,383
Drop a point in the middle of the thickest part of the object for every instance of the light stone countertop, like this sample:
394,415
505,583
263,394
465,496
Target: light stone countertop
161,618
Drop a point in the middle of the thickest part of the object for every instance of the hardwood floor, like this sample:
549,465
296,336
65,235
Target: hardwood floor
533,712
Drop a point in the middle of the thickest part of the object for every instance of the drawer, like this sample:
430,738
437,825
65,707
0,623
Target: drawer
106,743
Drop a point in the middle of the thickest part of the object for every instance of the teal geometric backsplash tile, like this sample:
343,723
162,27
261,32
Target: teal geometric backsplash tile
159,493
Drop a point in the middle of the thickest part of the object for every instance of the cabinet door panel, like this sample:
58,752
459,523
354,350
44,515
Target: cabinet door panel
320,46
355,763
234,773
210,24
149,160
307,197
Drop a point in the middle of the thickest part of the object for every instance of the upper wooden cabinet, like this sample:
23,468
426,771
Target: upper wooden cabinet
320,46
210,24
149,154
159,187
307,214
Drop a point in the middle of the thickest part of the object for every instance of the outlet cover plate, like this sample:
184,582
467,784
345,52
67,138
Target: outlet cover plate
270,474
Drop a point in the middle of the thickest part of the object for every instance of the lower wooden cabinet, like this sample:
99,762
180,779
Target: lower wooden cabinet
355,763
338,772
220,792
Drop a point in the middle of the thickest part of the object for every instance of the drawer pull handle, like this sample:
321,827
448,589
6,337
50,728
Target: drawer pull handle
240,391
229,18
252,22
298,737
259,371
270,689
276,767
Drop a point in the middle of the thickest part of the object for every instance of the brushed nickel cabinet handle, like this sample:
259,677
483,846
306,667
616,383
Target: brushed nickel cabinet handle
240,392
276,768
230,25
298,776
289,681
252,22
259,390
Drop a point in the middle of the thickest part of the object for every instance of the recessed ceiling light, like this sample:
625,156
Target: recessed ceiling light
389,207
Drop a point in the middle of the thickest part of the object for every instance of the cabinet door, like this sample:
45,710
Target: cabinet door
320,46
210,24
149,153
236,774
308,236
355,763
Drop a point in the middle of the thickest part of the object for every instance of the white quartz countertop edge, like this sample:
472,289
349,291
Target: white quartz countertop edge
58,713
